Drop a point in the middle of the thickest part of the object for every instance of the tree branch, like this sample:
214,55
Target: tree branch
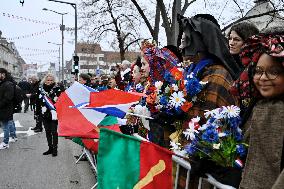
141,12
129,44
249,17
186,5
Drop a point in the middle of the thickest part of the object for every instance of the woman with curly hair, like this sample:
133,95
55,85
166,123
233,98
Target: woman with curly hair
237,36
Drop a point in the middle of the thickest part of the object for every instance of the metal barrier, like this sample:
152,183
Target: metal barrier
179,162
92,160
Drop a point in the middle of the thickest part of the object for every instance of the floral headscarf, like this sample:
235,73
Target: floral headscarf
271,44
160,60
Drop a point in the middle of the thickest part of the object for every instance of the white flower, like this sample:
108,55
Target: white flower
203,127
221,135
216,113
190,75
167,89
175,87
231,111
177,99
175,146
158,85
216,146
190,132
195,119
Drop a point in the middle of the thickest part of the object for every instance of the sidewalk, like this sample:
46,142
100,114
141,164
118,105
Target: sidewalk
24,167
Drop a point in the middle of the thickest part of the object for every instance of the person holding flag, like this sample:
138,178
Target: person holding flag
49,92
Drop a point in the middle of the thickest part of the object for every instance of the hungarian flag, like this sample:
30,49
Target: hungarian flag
126,162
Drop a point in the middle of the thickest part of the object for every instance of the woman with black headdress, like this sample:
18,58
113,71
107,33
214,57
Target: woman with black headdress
205,49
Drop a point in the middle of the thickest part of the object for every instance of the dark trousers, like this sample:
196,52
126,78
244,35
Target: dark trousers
50,127
26,102
38,119
32,104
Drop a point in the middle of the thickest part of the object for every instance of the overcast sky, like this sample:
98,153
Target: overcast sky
32,9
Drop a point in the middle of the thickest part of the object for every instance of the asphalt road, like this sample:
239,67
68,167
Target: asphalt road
23,166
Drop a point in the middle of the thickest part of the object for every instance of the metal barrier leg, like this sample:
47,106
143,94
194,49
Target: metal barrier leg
91,159
177,174
200,183
187,179
81,156
95,186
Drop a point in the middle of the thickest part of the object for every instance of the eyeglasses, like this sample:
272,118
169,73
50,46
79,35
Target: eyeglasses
271,74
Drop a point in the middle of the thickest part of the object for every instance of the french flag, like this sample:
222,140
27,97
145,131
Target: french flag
74,122
239,163
48,102
112,102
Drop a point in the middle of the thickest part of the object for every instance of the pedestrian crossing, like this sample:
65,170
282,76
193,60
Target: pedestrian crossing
23,133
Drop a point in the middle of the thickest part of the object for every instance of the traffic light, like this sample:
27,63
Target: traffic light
76,64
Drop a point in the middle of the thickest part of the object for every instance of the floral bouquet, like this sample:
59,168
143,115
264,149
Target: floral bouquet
175,94
219,139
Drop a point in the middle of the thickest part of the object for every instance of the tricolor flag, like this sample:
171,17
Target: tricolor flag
126,162
108,122
73,122
112,102
48,102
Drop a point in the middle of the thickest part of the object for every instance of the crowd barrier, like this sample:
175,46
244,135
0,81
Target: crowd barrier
91,157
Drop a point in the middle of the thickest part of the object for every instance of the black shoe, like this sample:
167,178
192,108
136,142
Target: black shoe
49,151
54,152
38,130
35,128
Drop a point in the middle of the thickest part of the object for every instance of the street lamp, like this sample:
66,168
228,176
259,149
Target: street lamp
58,56
75,7
62,28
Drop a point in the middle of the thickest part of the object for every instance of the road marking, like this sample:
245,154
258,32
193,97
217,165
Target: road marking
18,124
29,132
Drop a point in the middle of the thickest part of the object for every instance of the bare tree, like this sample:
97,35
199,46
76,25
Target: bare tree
113,21
273,13
169,21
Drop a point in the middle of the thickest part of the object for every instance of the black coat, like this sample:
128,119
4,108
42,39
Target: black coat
53,92
25,86
6,100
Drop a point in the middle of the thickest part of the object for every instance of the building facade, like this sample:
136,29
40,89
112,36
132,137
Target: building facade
10,58
92,59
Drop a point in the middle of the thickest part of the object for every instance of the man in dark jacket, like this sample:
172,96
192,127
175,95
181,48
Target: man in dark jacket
6,105
26,87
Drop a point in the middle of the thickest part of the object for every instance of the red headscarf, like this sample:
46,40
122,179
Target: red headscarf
271,44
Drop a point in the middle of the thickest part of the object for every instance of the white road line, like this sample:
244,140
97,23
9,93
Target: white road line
29,132
18,124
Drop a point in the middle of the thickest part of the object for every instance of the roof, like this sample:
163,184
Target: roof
271,20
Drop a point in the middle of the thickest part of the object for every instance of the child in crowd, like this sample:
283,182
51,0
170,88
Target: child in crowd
262,82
